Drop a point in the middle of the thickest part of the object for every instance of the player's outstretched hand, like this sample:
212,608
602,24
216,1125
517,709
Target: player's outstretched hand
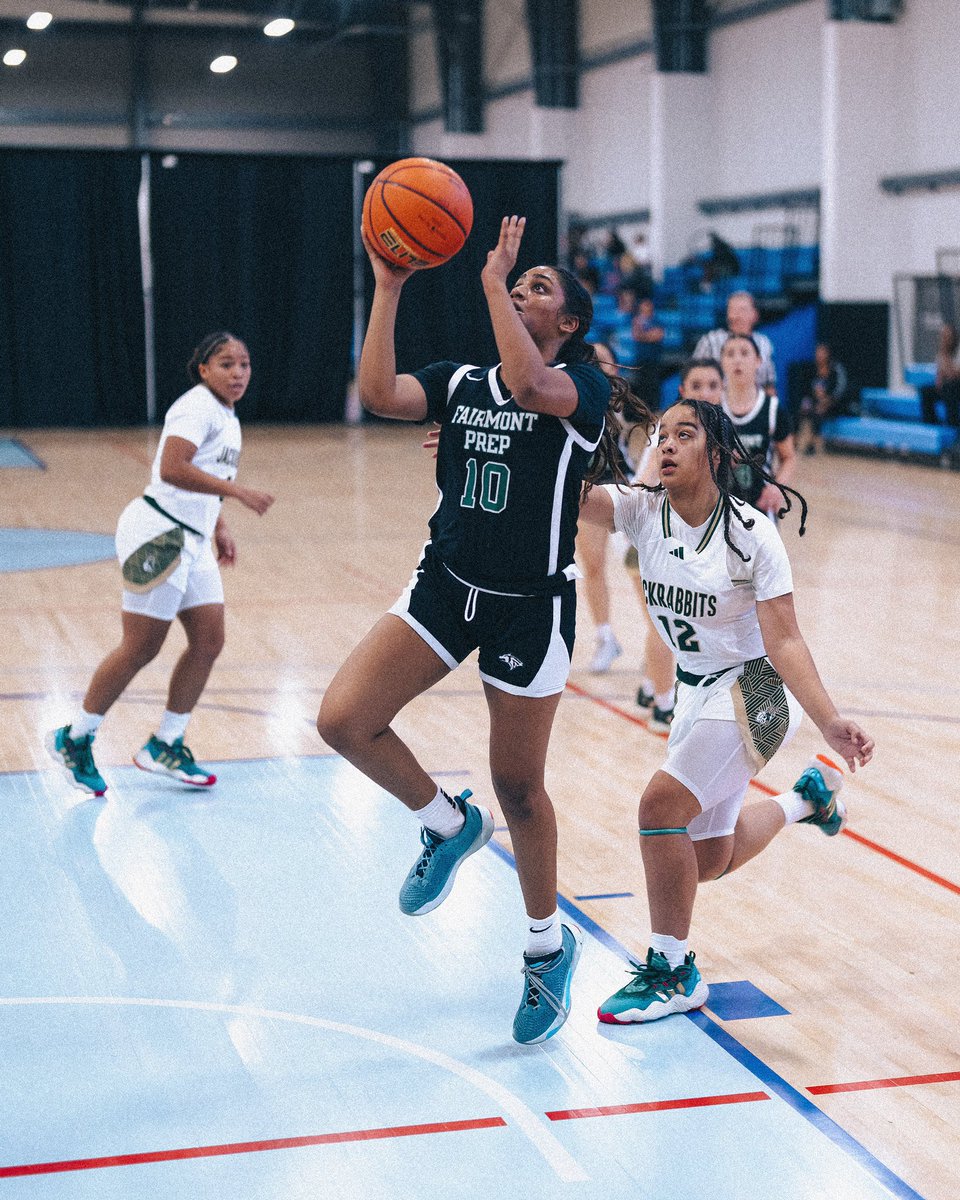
386,274
503,257
251,498
850,742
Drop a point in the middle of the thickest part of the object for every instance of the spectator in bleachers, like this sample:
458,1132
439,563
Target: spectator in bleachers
946,388
648,335
825,398
620,336
742,318
640,274
723,263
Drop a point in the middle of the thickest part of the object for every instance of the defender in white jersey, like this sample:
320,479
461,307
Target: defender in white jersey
718,586
515,444
169,542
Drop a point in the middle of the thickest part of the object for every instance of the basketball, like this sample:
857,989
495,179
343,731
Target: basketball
417,213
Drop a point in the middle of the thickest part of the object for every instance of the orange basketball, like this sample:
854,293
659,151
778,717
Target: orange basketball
417,213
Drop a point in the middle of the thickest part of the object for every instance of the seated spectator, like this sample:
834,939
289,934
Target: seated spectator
723,262
742,318
947,384
620,335
648,337
640,277
825,398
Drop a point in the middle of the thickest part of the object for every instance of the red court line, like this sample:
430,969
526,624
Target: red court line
769,791
615,1110
828,1089
620,712
904,862
321,1139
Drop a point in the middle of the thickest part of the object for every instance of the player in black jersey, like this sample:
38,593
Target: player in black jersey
497,574
761,422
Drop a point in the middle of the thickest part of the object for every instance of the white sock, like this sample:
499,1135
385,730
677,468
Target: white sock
672,949
84,723
646,683
172,726
604,633
795,808
544,936
441,816
664,701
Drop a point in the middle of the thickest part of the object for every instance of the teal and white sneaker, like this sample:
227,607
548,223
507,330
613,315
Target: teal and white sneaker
431,877
174,760
76,758
819,784
545,1005
656,990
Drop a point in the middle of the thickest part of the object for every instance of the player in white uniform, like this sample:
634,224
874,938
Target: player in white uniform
169,542
719,589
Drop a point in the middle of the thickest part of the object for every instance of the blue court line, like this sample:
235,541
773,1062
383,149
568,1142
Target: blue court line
779,1086
604,895
742,1001
13,453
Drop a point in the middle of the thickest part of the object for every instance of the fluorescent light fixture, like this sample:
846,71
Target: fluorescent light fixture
278,27
39,20
13,58
223,64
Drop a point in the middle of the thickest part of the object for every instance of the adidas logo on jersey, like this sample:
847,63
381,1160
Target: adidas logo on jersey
511,660
678,553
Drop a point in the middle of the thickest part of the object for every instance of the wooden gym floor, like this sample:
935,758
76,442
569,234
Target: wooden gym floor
190,981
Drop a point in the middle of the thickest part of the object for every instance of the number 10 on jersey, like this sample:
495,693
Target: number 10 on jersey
494,483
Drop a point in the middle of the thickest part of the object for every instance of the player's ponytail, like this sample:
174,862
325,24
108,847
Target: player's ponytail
626,410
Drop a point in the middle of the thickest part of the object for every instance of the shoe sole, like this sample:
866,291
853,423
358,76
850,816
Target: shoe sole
657,726
50,744
156,768
484,834
643,1016
561,1018
600,666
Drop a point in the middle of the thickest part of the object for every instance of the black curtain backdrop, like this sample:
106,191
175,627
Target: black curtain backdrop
71,309
262,247
443,314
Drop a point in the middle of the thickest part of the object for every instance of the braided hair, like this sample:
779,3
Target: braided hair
724,451
625,407
206,350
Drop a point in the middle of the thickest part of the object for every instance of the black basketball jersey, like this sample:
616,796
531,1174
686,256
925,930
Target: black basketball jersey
509,479
765,424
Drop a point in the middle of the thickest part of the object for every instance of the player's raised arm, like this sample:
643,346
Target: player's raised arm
530,325
382,390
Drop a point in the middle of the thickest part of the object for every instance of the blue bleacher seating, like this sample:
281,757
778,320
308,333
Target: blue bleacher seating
894,405
899,437
920,374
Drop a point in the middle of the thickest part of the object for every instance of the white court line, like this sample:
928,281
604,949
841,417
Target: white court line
558,1158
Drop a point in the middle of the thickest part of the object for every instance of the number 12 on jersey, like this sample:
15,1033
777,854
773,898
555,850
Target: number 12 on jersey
686,635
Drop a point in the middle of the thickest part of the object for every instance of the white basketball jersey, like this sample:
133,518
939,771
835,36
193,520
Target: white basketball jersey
200,418
701,596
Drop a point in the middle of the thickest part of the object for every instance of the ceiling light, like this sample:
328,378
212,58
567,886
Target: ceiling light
39,20
223,64
13,58
278,27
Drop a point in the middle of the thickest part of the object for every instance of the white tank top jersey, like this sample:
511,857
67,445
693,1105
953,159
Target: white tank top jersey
198,417
701,596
